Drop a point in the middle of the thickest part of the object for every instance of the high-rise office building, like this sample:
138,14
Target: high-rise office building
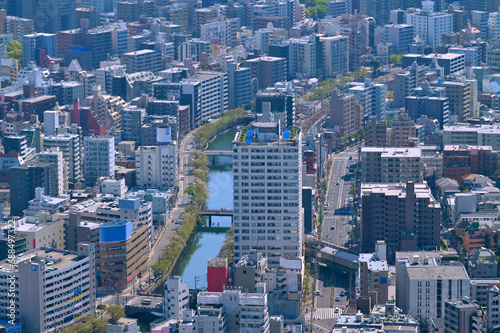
405,216
99,158
268,192
399,35
50,16
335,55
239,86
100,42
54,288
38,44
23,181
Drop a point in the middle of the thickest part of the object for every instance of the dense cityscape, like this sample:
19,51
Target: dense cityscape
253,166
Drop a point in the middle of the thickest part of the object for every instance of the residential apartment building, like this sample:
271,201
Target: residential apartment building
267,192
399,35
239,86
428,25
376,133
405,216
156,166
460,98
70,145
370,96
99,158
175,298
224,311
403,132
18,27
345,113
124,253
479,135
335,55
463,316
56,158
391,165
143,60
53,288
462,160
132,119
207,94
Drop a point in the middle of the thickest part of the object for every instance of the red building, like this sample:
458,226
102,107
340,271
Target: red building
459,161
217,274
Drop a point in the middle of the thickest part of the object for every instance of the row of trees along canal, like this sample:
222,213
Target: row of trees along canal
171,256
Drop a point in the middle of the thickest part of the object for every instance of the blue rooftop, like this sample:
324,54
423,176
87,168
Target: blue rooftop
249,137
286,135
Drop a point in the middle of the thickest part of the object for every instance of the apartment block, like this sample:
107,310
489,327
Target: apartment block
479,135
428,25
370,96
143,60
376,133
399,35
267,192
70,145
460,98
175,298
405,216
99,158
391,165
374,274
463,316
267,70
345,113
462,160
44,280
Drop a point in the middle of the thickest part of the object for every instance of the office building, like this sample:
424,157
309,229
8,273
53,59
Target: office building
305,62
374,274
68,38
99,158
399,35
267,70
132,122
252,146
281,105
100,42
203,16
86,17
44,279
143,60
70,145
239,86
127,11
23,179
345,113
54,156
35,46
50,16
428,25
462,160
405,216
356,28
157,165
124,253
425,283
339,7
207,94
390,165
479,20
175,298
430,102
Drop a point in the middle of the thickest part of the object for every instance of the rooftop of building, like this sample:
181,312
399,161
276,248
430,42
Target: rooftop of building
139,52
396,189
374,263
484,128
448,272
115,223
266,133
53,258
393,151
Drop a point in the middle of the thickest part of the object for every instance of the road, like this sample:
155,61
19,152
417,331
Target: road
163,237
331,283
336,227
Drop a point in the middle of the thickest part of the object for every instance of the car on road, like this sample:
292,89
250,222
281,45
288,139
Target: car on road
332,228
350,157
337,183
146,301
337,299
178,222
342,293
337,309
318,292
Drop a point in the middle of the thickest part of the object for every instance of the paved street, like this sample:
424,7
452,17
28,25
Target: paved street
336,225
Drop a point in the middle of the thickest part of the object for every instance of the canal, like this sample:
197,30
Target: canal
206,245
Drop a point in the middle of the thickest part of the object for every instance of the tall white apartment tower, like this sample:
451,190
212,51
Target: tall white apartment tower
50,122
55,156
268,213
99,158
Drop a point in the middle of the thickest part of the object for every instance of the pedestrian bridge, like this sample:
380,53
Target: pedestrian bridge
218,152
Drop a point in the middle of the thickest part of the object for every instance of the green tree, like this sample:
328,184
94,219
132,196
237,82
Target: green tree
321,11
354,191
396,59
90,324
15,50
116,312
